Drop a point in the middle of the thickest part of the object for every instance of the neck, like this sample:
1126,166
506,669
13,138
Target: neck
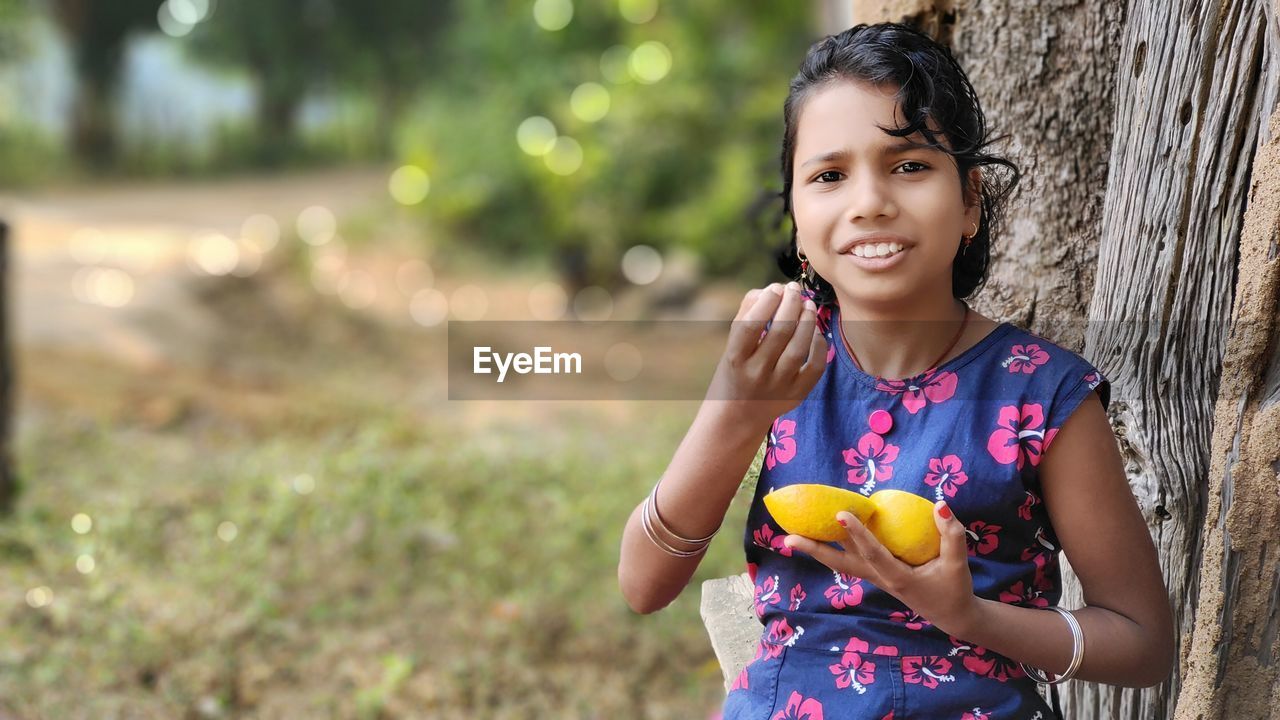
901,341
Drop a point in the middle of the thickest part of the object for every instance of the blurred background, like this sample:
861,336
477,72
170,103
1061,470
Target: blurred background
236,231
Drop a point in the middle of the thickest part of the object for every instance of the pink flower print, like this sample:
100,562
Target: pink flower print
981,538
855,669
981,661
1093,379
741,682
766,595
889,650
800,707
797,597
975,714
932,387
766,537
782,443
1025,358
1020,593
945,476
831,350
1032,500
1048,438
910,618
926,670
871,462
1019,435
781,633
846,592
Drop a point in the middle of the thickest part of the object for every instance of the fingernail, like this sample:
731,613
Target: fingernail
775,288
793,286
808,304
945,511
842,522
787,541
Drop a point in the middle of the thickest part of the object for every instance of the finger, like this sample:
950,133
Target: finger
745,334
817,362
954,545
747,301
831,557
783,325
872,551
797,349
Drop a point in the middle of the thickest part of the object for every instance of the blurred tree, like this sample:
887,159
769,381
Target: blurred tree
287,49
684,151
390,49
8,483
384,50
97,33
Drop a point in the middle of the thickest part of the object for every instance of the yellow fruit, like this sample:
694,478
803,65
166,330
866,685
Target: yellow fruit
809,509
903,522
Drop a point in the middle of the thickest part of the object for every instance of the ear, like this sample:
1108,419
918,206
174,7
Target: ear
973,189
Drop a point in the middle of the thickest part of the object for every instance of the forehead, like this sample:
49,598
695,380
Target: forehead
848,114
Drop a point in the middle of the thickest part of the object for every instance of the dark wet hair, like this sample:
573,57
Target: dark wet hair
930,85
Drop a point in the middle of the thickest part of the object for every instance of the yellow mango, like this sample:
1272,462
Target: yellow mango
809,509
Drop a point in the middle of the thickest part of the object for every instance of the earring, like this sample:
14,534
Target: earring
968,239
807,275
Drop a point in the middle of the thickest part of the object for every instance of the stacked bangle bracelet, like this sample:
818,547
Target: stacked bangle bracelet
651,504
1077,653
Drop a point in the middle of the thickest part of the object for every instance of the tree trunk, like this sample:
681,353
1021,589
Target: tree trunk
8,482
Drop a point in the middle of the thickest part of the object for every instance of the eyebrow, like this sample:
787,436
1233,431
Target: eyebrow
895,148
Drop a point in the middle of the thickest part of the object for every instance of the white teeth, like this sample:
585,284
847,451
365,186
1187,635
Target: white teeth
877,250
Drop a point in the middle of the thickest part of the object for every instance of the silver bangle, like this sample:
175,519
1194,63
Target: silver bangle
1077,653
663,545
653,501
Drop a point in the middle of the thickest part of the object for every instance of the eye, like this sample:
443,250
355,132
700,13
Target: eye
825,173
922,167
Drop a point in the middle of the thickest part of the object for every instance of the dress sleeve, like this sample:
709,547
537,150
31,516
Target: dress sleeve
1082,381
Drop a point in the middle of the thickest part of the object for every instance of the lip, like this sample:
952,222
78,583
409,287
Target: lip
877,264
871,238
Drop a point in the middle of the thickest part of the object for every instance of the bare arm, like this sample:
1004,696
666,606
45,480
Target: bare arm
1127,621
756,381
694,496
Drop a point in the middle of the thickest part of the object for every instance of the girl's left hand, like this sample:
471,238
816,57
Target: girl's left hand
940,591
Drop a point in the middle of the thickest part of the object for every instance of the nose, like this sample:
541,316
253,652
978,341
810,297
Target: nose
870,196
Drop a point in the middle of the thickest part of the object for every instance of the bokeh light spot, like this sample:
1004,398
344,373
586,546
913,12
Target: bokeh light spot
414,275
552,15
536,135
227,531
650,62
303,484
638,11
38,597
409,185
548,301
214,253
317,225
429,307
623,361
641,264
261,231
81,523
565,157
589,102
85,564
469,302
170,24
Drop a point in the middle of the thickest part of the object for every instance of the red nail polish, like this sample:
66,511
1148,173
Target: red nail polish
945,511
842,522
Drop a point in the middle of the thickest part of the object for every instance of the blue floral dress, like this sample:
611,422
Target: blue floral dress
972,432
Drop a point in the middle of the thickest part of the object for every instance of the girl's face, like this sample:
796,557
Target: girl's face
849,181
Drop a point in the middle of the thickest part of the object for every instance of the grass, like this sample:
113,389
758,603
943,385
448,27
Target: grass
450,561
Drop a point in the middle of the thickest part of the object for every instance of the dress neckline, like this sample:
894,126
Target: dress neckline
956,362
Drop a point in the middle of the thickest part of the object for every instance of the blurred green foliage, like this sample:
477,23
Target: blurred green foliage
678,162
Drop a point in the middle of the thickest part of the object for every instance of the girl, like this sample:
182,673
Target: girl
874,373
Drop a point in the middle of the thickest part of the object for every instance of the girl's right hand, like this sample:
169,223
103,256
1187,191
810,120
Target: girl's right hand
771,375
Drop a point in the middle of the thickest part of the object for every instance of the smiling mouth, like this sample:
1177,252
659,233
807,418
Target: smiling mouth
876,250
